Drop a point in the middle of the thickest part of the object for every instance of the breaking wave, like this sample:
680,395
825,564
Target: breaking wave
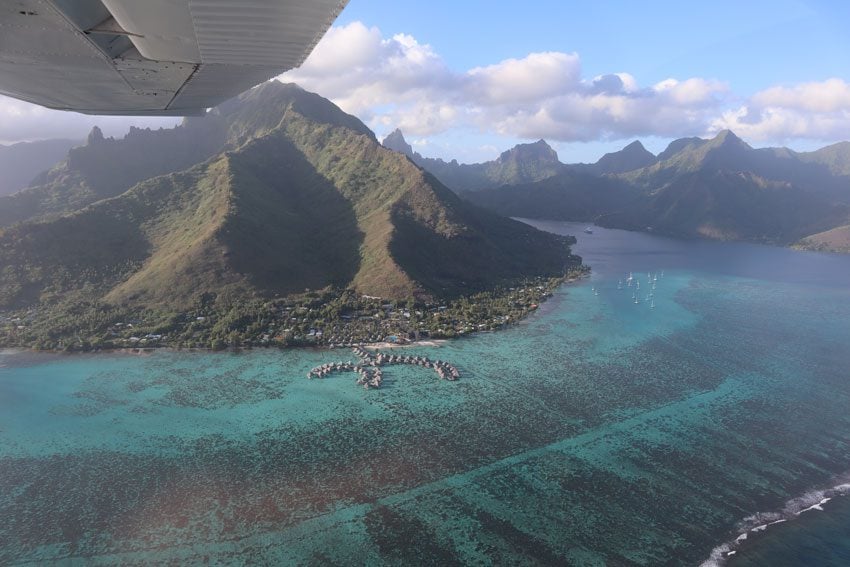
813,500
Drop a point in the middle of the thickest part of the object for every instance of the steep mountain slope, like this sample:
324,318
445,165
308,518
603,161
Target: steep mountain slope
105,168
835,157
20,163
728,205
727,152
306,198
570,195
716,188
524,163
633,156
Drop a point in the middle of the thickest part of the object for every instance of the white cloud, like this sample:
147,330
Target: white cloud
536,77
823,97
815,110
399,82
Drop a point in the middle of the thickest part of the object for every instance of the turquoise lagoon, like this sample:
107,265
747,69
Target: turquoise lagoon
596,432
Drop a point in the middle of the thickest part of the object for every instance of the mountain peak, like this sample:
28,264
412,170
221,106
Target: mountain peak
538,151
678,145
395,141
633,156
95,136
635,146
727,137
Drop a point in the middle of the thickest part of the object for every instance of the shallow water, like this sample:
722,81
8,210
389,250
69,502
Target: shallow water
596,431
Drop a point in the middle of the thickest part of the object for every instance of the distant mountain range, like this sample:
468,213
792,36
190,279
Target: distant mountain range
716,188
21,162
272,193
522,164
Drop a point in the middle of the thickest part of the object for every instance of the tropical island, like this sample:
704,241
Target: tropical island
329,318
275,220
719,188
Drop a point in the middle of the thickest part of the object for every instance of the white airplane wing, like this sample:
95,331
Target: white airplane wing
156,57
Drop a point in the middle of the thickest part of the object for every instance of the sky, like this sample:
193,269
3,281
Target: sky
470,79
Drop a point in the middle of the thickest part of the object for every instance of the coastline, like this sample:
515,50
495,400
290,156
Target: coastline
440,339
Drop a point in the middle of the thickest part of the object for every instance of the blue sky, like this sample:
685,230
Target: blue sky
468,79
750,43
747,47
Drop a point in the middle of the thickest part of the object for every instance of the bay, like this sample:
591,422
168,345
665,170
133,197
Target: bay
597,431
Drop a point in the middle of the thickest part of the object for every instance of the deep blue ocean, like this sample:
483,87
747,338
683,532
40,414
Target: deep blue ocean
684,396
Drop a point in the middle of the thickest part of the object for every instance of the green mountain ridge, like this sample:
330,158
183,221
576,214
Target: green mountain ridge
302,196
523,163
718,188
633,156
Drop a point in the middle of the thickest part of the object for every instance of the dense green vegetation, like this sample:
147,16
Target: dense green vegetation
719,188
301,197
330,317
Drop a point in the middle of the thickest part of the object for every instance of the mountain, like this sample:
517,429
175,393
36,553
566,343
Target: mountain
835,157
571,196
21,162
395,141
523,163
299,195
104,168
634,156
729,205
713,188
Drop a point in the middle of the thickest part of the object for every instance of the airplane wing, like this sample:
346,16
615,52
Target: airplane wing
154,57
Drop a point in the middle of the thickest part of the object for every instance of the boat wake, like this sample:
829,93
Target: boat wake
814,500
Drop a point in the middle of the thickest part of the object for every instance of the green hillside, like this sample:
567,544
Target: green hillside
717,188
728,205
304,199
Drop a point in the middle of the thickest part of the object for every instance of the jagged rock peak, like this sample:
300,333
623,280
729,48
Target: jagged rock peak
727,138
95,136
635,146
633,156
539,150
395,141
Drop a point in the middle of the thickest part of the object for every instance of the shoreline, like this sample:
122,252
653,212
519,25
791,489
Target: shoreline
382,344
798,246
